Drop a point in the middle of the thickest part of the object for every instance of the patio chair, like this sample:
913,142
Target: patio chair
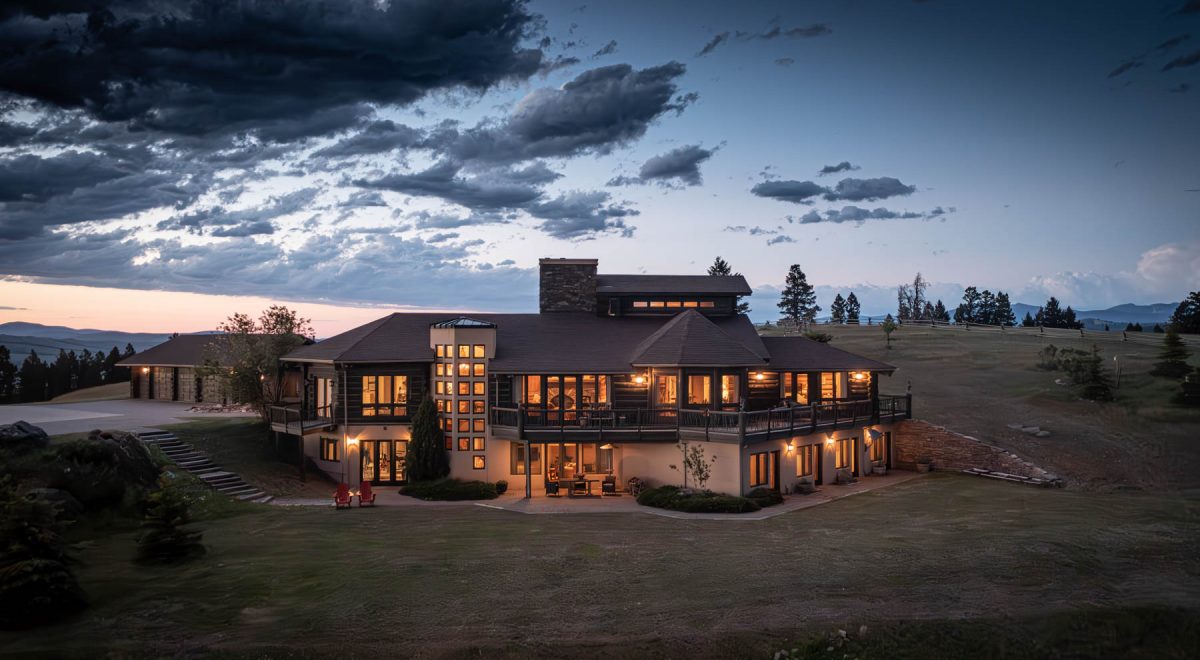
609,485
342,498
365,496
552,488
579,486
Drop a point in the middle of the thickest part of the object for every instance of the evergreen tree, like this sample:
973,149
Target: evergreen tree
722,267
968,310
1172,359
903,296
852,309
1004,312
1028,321
1186,318
940,313
32,375
1097,386
986,312
889,326
837,311
1158,328
1052,315
1069,321
427,459
36,582
8,376
798,302
927,312
163,537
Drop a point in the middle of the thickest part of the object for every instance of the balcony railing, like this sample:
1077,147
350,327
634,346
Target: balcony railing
291,419
759,424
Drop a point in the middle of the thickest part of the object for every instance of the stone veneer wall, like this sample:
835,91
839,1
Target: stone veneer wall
914,439
567,285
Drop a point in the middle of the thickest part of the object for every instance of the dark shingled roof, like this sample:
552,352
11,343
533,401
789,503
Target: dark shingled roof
691,340
725,285
804,354
181,351
563,342
462,322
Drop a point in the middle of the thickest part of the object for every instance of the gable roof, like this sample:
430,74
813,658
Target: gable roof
804,354
691,340
726,285
181,351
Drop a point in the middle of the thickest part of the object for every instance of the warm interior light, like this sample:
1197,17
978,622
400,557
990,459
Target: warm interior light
639,379
759,376
858,375
791,448
607,445
145,370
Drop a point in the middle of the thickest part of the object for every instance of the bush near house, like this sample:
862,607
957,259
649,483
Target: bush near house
765,497
690,501
450,490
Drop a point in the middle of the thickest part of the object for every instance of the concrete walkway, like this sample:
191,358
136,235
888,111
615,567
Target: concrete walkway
539,505
117,415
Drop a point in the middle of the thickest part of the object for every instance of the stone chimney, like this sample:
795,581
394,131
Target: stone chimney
567,285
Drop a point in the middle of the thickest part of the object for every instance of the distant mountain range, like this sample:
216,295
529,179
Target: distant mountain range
21,338
1116,317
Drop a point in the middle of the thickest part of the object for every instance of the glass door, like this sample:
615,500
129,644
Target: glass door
382,461
367,458
570,402
553,398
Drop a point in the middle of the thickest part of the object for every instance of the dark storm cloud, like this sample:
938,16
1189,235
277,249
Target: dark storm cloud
856,214
36,179
443,181
869,190
244,222
246,229
843,166
192,68
680,165
598,110
797,192
582,215
377,137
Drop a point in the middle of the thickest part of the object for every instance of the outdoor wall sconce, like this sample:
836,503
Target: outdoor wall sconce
351,442
858,375
829,440
791,448
607,445
145,370
759,375
639,379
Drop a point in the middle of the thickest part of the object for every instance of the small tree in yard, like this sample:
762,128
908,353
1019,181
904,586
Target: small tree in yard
1172,360
1097,386
426,459
889,326
36,583
163,537
695,463
246,357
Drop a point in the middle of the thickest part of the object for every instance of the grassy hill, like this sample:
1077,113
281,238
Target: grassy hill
99,393
979,381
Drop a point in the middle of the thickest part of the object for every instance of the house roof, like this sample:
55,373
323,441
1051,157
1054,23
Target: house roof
563,342
181,351
462,322
804,354
726,285
691,340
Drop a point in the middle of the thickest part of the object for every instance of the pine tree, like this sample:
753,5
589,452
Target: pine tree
163,537
1097,386
1158,328
8,376
32,375
426,459
940,313
1052,315
852,309
903,295
1004,312
1186,318
986,314
837,311
968,310
798,302
889,326
1069,319
1172,359
1028,321
722,267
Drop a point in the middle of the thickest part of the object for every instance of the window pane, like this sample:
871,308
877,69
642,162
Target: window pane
699,389
464,407
441,350
439,369
464,369
464,387
477,444
477,407
729,388
464,350
368,389
533,390
827,386
479,388
477,351
385,389
602,389
477,462
401,392
639,304
690,303
477,425
666,389
477,369
464,444
589,458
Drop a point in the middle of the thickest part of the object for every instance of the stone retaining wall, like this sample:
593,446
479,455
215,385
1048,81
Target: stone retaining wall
913,439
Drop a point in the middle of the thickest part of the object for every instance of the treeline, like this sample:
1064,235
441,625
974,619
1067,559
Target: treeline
38,380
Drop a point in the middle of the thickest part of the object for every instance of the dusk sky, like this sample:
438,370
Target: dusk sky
163,164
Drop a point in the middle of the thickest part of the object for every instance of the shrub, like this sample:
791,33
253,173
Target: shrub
671,497
501,487
36,584
765,497
823,337
163,538
1048,358
450,490
101,471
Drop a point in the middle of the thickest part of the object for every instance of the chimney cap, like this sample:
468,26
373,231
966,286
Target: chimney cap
549,261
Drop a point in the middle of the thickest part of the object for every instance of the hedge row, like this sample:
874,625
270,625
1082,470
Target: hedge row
670,497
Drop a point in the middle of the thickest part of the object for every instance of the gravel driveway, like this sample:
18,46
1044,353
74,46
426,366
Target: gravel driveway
122,414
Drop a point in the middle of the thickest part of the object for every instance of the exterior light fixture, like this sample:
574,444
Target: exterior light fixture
791,448
639,379
607,445
145,370
759,376
858,375
829,440
353,442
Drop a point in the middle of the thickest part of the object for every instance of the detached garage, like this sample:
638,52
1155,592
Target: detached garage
169,372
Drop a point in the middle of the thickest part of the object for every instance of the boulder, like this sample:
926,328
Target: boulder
22,437
67,506
1042,434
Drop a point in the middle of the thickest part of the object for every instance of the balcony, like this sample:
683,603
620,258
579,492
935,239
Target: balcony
668,424
291,419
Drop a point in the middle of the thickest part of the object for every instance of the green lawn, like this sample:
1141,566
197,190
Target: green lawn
978,382
945,555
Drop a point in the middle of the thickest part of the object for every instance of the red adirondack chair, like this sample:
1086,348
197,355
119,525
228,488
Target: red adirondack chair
365,496
342,497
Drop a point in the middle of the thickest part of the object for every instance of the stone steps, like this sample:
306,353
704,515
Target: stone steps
186,457
1015,478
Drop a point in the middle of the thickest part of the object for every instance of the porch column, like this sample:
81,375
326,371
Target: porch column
528,476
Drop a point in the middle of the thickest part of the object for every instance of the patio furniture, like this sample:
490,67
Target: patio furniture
365,496
342,498
581,487
552,488
635,486
609,486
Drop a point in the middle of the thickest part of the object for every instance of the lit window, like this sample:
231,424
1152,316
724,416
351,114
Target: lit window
805,460
477,463
656,303
464,388
439,369
479,388
477,351
464,425
464,350
699,390
464,369
843,454
441,405
464,407
829,386
707,303
477,444
449,443
666,388
516,455
759,469
380,392
464,444
329,449
477,369
441,351
478,425
639,304
533,390
477,407
439,387
729,388
690,303
674,303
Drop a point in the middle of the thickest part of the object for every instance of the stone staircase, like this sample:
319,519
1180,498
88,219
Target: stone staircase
186,457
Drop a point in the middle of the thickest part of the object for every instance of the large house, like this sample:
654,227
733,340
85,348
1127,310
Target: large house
606,379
